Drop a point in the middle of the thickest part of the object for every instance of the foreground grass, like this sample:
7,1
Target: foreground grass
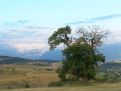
38,79
23,76
99,87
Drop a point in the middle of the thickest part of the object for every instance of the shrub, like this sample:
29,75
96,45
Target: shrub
56,84
108,77
49,69
26,84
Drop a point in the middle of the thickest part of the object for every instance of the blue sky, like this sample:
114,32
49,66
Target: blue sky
52,12
25,25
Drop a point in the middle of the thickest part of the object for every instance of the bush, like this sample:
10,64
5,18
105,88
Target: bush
109,77
70,83
26,84
56,84
49,69
61,83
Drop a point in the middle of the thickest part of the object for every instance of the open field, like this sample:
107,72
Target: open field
36,78
23,76
101,87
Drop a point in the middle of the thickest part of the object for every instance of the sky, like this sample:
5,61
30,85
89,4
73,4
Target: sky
25,25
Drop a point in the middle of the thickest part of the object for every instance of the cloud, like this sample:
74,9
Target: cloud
24,46
80,22
40,27
101,18
16,23
31,32
27,40
114,37
95,19
23,21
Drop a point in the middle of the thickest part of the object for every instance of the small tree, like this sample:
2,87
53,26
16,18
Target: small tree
81,54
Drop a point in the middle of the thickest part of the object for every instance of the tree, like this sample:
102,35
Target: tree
80,62
60,36
92,35
81,54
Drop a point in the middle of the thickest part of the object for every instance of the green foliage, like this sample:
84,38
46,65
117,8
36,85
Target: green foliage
56,84
80,62
101,77
49,69
69,83
26,85
81,56
110,67
61,75
108,77
109,72
59,36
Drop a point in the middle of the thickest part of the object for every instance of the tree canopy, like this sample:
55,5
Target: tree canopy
60,36
81,56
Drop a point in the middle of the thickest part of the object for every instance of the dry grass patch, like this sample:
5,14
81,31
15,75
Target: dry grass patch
25,74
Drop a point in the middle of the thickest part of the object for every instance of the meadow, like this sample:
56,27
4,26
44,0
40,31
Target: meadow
37,78
101,87
25,76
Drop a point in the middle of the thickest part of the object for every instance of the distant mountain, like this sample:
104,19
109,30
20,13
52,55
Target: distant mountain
34,54
53,55
111,51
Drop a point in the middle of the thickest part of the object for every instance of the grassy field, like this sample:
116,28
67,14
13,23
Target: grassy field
36,78
23,76
101,87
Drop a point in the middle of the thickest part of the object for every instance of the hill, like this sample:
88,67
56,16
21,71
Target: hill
13,60
111,66
17,60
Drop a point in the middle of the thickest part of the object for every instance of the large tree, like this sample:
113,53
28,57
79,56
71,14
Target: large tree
81,54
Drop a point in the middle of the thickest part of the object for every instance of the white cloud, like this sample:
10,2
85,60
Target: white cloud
26,47
25,40
114,37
